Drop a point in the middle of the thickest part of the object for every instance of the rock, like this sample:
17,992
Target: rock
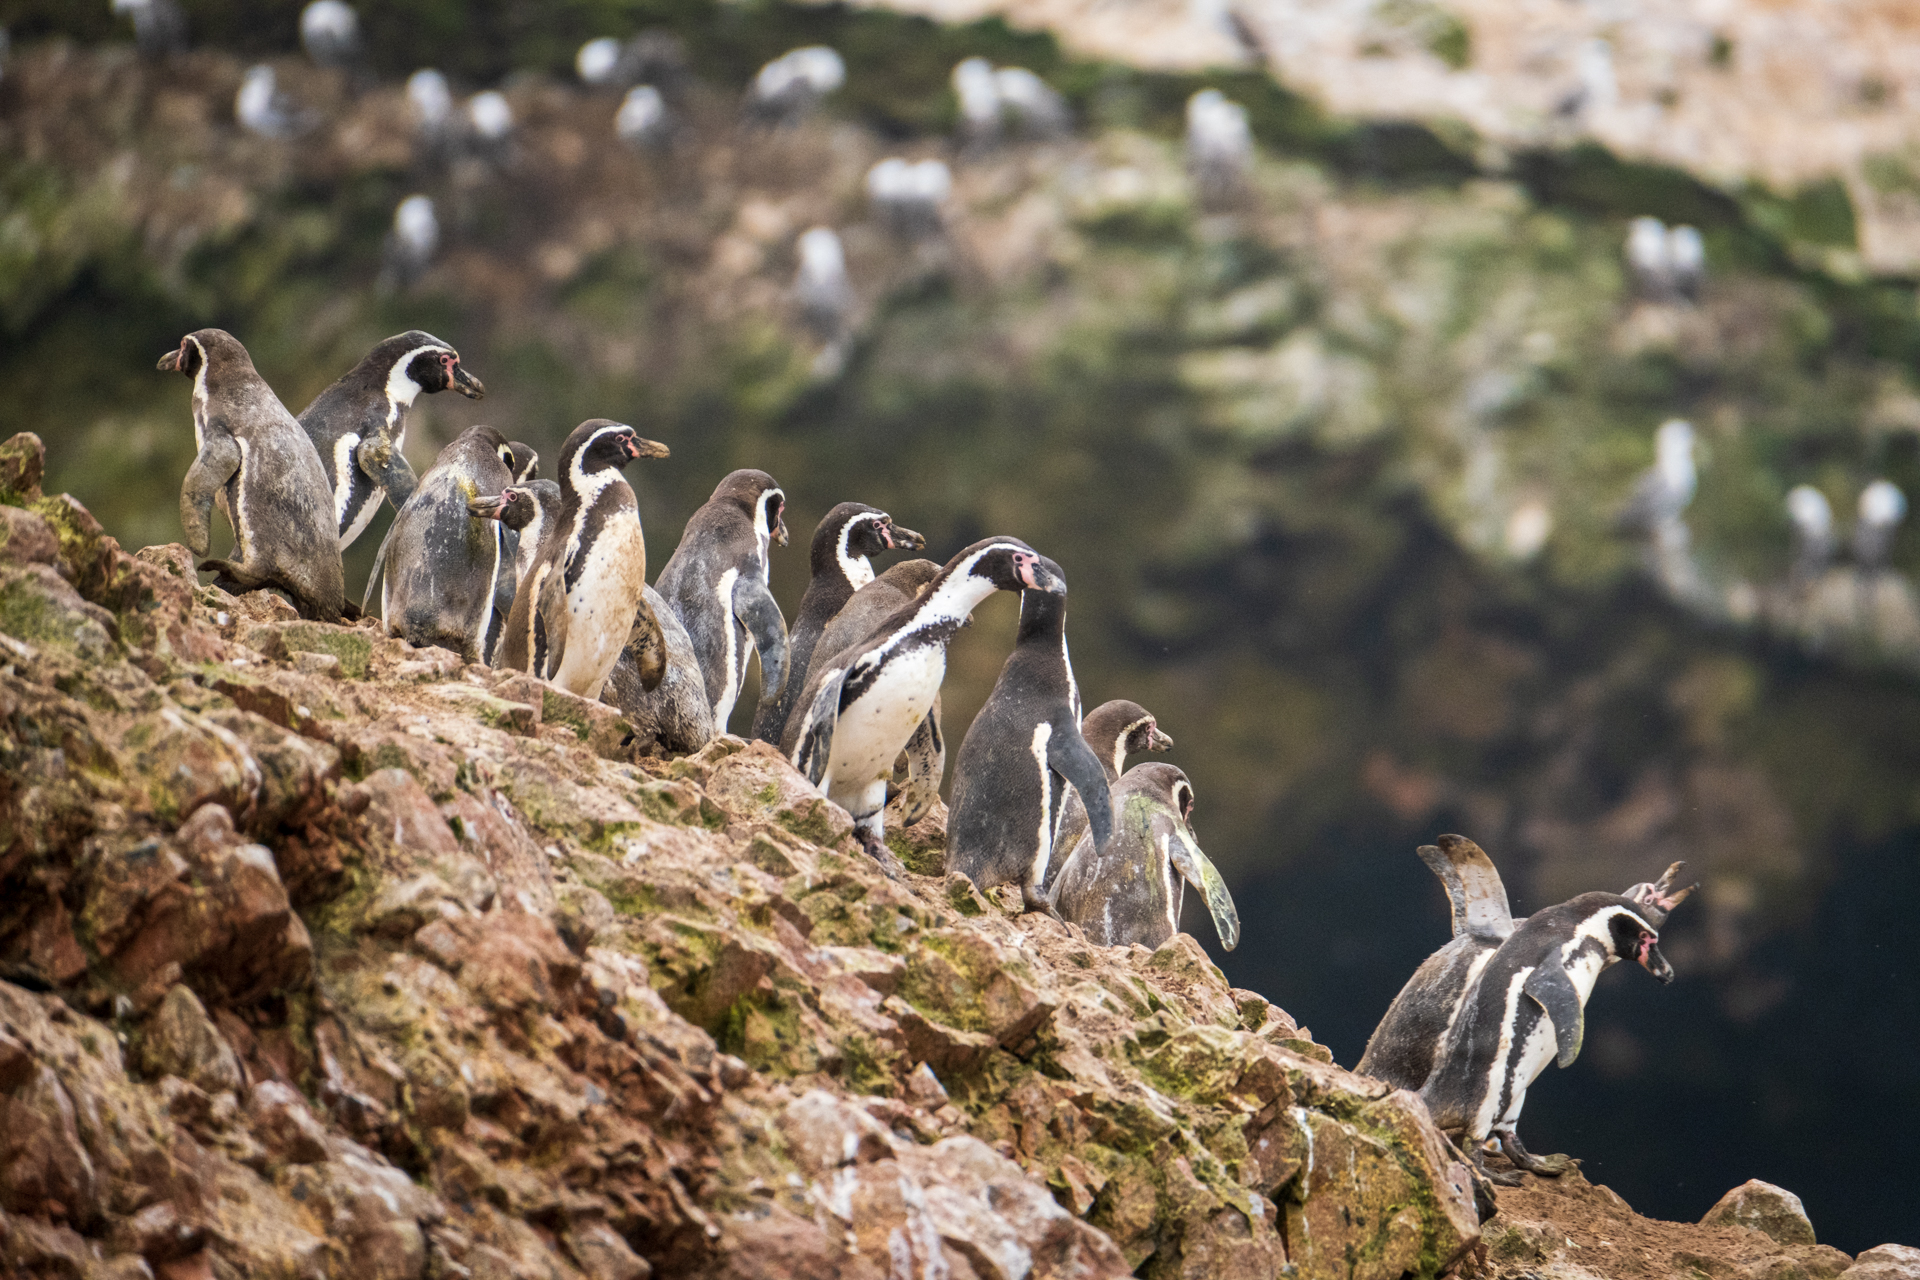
1764,1207
286,1127
45,1170
1885,1262
600,1252
825,1134
23,463
758,784
27,539
180,1040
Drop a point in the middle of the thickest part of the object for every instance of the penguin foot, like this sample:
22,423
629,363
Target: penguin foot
1545,1166
877,848
1031,899
1476,1160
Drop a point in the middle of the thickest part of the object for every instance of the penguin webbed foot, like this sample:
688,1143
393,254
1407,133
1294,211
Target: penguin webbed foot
1545,1166
1477,1161
1031,899
877,849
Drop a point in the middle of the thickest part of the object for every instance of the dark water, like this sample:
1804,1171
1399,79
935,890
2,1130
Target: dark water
1672,1102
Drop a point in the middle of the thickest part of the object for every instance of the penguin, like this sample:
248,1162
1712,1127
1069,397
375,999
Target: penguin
255,461
524,509
574,610
1526,1009
1123,891
442,563
839,566
658,686
716,584
1403,1047
877,692
1115,730
1020,756
359,424
922,763
526,463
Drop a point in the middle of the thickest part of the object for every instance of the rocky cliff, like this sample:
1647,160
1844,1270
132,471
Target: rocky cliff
321,955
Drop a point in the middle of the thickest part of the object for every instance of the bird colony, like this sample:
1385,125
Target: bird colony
548,574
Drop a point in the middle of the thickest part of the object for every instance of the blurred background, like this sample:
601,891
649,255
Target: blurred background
1335,390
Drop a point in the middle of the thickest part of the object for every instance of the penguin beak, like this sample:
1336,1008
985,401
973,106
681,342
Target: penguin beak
899,539
1158,741
465,383
488,506
1197,870
639,448
170,362
1652,960
1036,577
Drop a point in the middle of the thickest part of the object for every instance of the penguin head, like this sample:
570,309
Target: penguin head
526,463
514,506
1657,900
416,361
202,349
1623,927
758,495
1121,728
599,444
1011,565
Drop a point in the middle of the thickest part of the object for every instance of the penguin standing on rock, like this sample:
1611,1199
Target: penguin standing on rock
877,692
716,584
1528,1008
442,564
255,461
359,424
524,510
922,763
1020,756
1123,890
1115,730
658,685
838,560
574,610
1410,1038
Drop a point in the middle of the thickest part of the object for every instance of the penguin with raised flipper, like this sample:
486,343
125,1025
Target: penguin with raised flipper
659,687
1125,891
442,563
716,584
1021,755
575,609
1405,1045
1527,1008
922,763
1115,730
253,459
839,567
876,693
359,424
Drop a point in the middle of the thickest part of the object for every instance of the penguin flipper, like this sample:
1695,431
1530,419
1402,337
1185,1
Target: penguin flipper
379,567
759,613
1198,870
647,646
1449,877
1485,908
387,467
217,462
816,733
1553,991
1069,756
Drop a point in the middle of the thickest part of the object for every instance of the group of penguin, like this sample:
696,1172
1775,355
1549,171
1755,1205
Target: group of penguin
550,577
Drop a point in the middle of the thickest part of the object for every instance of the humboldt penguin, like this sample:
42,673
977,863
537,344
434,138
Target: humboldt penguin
442,562
876,693
659,687
839,566
716,584
1403,1047
1526,1009
255,461
574,610
923,761
1115,730
1124,891
359,424
524,510
1021,755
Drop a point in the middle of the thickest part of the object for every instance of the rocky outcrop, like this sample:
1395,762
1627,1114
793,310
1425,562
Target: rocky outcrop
327,956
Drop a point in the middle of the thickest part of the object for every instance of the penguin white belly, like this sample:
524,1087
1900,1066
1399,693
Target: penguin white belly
600,608
1535,1054
870,733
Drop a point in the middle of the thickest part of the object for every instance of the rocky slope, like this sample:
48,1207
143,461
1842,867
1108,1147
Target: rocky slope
321,955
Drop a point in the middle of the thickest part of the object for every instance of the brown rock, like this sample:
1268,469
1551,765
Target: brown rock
23,462
44,1168
1764,1207
824,1133
27,539
600,1252
1886,1262
180,1040
285,1126
758,784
